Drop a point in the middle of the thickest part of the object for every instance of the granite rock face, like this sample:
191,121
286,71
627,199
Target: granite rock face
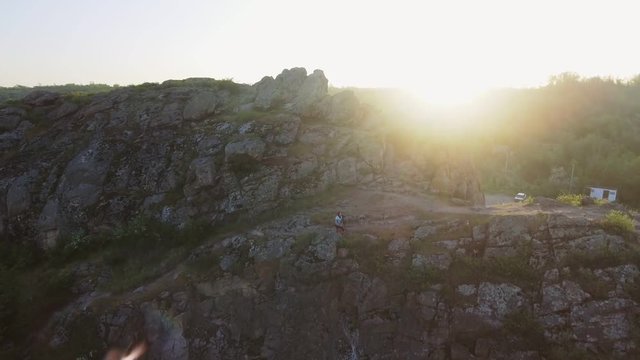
184,150
216,151
281,288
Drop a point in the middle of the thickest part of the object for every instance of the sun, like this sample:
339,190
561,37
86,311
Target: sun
447,94
449,110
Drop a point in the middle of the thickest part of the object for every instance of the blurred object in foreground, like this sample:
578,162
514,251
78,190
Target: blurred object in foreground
135,353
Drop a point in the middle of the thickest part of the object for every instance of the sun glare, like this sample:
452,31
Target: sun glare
446,95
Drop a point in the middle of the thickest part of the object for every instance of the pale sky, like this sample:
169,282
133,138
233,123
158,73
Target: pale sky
440,49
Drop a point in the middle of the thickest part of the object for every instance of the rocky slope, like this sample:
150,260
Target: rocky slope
192,149
404,285
101,183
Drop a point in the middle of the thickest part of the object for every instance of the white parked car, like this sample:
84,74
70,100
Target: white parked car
520,197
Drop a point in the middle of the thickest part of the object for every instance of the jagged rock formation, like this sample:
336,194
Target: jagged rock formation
185,150
468,288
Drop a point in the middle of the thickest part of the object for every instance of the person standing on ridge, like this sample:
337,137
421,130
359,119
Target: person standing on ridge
340,223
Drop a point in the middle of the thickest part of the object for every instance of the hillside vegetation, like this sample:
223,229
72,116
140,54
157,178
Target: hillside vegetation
530,139
18,92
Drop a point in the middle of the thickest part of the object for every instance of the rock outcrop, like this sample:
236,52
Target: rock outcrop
292,89
76,169
290,287
186,150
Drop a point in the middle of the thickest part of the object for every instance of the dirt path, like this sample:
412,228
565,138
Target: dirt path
390,205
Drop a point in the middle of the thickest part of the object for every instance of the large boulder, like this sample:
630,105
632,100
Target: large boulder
292,89
290,82
313,89
252,147
500,299
40,98
560,297
200,105
202,173
266,92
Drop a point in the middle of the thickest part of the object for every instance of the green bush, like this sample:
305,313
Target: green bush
145,247
27,298
248,115
243,165
600,202
77,245
80,98
7,301
514,269
523,324
19,255
229,85
600,258
618,222
570,199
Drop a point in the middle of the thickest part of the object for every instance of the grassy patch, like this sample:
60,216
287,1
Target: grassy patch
618,222
420,279
84,342
600,202
27,299
243,165
524,325
303,241
323,217
426,246
249,115
633,289
222,84
135,271
568,351
528,201
145,86
299,149
599,259
76,245
204,264
514,269
80,98
589,282
368,252
570,199
145,248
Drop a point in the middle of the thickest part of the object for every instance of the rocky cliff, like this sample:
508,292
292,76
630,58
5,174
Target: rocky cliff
180,151
529,285
196,215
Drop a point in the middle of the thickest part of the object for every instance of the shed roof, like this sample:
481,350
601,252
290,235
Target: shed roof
601,187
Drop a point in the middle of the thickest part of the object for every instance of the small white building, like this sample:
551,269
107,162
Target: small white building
602,193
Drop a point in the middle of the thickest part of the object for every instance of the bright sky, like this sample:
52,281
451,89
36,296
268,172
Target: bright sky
443,50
